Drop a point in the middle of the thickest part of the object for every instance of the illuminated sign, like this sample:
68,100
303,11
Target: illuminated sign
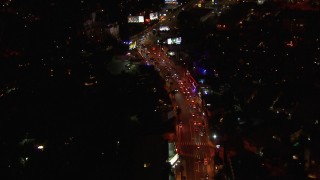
170,1
132,45
141,18
174,159
164,28
174,40
135,19
153,16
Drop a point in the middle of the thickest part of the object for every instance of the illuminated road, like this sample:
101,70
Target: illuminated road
192,138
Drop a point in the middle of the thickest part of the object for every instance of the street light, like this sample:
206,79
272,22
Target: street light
214,136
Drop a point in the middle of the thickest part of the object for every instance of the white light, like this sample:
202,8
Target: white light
214,136
40,147
174,159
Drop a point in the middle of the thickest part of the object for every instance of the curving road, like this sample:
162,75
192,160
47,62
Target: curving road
192,140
